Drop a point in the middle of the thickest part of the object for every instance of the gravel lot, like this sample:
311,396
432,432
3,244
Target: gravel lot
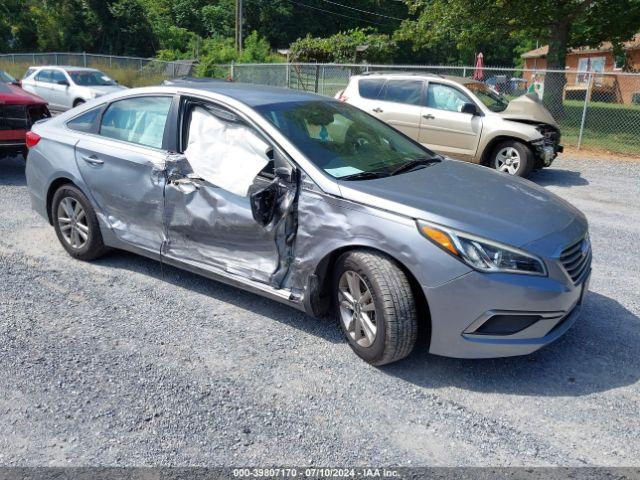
118,362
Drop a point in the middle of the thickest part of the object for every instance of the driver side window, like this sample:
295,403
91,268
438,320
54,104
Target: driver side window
444,97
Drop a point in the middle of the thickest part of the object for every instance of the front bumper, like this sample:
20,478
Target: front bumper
460,308
547,153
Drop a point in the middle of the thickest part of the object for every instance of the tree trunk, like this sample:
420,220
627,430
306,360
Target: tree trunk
556,60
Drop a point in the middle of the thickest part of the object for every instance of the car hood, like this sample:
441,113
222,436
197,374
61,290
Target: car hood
469,198
528,108
15,95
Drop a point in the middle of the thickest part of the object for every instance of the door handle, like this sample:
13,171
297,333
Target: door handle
378,110
184,183
428,116
92,160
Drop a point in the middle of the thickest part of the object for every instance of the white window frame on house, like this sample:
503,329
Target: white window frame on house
581,78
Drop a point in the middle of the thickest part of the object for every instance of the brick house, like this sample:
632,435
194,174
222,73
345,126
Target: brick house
610,87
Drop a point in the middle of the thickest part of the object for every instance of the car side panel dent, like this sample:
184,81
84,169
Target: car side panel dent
327,224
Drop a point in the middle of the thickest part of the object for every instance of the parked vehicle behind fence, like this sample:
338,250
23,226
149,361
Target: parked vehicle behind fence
461,118
68,87
18,111
316,204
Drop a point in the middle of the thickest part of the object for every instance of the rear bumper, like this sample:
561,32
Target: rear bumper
460,308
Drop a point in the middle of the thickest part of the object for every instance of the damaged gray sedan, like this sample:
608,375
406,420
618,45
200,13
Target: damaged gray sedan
316,204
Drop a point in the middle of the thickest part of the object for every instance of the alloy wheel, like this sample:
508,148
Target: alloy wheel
357,309
72,220
507,160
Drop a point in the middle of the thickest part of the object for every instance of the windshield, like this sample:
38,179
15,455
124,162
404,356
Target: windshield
492,99
90,78
5,77
343,140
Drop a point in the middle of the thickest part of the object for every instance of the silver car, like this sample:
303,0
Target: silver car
68,87
318,205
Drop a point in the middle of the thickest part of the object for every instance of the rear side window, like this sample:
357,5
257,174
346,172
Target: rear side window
44,76
137,120
85,122
404,91
371,87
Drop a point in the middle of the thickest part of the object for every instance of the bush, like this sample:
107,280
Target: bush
217,51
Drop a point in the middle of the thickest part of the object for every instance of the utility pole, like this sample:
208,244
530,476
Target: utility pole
238,26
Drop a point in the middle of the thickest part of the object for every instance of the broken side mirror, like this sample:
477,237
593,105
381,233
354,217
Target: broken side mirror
282,170
263,204
284,173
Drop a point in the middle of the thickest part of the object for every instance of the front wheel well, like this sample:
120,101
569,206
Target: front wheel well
488,150
324,277
53,188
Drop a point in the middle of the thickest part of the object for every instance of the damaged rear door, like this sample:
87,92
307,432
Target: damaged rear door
230,198
122,161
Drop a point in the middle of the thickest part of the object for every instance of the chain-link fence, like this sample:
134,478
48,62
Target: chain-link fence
597,110
130,71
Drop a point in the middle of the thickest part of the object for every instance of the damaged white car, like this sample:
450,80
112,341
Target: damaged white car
316,204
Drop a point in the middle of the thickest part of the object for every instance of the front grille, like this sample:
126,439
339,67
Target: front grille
13,117
576,258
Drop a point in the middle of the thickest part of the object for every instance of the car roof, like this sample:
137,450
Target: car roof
64,67
453,78
250,94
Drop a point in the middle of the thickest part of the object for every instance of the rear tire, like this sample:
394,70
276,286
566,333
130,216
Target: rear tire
78,102
76,224
512,157
381,325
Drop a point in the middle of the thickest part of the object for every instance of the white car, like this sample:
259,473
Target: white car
68,87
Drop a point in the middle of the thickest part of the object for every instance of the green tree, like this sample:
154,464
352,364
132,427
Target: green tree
342,47
561,24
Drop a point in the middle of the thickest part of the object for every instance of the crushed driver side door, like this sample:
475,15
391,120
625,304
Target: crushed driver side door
248,233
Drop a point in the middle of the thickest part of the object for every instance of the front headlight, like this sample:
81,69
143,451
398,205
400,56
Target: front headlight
481,254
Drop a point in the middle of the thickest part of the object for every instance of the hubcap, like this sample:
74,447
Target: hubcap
508,160
357,310
73,222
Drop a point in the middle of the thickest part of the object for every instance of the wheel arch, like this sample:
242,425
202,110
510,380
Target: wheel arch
51,191
491,145
322,277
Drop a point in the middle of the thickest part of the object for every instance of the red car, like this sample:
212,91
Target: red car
18,111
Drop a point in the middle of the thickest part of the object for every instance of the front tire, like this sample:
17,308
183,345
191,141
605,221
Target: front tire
375,307
512,157
76,224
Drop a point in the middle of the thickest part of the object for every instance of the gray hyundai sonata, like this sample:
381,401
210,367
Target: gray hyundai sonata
318,205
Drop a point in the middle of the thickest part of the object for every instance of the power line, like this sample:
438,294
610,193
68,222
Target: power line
339,14
363,11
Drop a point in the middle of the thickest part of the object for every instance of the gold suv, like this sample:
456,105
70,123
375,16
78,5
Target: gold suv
461,118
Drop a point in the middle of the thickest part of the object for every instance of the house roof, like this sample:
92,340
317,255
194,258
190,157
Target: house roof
541,52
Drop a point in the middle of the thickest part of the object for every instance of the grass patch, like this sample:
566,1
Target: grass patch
608,126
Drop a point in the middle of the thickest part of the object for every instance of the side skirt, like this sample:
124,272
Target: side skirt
280,295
